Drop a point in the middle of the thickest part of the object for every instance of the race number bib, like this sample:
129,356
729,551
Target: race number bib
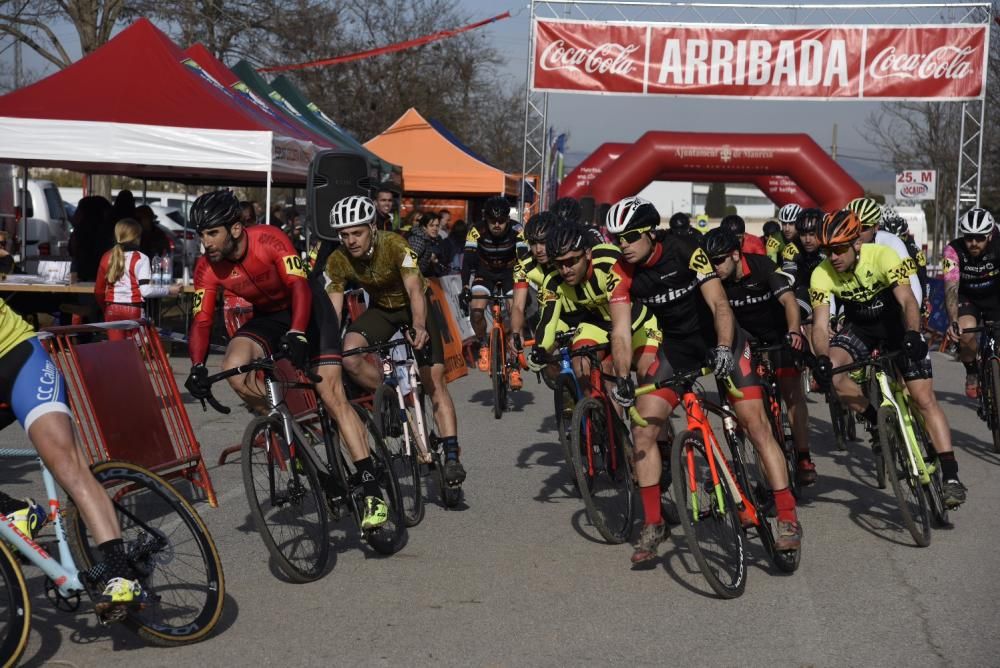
294,266
199,300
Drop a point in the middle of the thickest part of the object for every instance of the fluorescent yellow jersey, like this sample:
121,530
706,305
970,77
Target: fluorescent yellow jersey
13,329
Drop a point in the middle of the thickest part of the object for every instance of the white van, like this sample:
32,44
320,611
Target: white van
41,234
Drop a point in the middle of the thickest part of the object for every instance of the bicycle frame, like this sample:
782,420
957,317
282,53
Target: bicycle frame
894,394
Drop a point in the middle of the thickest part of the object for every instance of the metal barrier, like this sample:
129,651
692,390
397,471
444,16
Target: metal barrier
125,401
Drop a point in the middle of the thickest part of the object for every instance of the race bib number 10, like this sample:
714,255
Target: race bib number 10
294,266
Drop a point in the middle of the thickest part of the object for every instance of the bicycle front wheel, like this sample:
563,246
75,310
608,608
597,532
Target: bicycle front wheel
708,515
15,609
498,373
904,482
390,537
565,404
601,460
838,421
403,460
994,401
286,501
170,550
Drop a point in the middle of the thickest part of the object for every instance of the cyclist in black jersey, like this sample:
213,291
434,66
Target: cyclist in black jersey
673,277
490,253
762,298
895,224
802,255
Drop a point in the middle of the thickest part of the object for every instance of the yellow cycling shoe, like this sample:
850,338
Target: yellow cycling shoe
119,595
376,513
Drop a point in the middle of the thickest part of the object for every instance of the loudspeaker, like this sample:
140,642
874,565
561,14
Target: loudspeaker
334,175
587,211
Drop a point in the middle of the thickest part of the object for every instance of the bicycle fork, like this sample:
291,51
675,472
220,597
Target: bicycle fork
895,397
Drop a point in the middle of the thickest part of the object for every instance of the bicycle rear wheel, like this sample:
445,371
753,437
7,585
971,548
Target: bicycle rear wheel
708,516
391,536
935,494
605,478
288,506
389,424
15,609
994,402
498,373
565,400
905,484
170,549
838,420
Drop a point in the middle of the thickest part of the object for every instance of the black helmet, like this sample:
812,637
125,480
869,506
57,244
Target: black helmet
215,209
719,242
567,208
539,226
734,224
809,221
680,222
565,237
496,207
772,227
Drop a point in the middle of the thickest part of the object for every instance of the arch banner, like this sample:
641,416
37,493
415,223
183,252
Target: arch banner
931,62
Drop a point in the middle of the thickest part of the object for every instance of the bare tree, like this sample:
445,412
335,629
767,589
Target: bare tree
30,21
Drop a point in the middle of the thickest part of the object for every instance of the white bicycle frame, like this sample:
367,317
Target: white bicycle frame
389,367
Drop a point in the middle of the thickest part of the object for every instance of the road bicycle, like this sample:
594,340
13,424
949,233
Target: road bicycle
718,501
910,460
293,490
166,542
989,377
501,362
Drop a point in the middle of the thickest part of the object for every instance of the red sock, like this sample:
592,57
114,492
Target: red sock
784,501
651,504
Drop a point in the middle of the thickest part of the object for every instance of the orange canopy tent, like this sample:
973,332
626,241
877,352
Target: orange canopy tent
436,163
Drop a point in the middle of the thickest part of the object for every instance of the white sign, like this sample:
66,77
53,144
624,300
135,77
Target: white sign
916,184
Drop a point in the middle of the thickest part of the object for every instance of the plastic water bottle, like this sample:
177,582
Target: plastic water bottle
168,273
154,269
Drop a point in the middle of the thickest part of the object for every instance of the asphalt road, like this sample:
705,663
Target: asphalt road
518,577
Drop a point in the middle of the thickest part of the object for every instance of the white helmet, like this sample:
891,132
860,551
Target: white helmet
351,212
976,221
631,213
789,213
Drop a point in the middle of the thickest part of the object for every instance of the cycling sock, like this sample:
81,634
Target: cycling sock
8,504
970,368
803,455
450,445
651,504
949,466
115,563
366,471
871,415
784,502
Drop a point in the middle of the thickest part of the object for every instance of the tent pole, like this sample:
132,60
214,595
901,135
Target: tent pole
23,246
267,197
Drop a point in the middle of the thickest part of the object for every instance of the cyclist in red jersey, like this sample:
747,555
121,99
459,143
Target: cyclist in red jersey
260,265
749,243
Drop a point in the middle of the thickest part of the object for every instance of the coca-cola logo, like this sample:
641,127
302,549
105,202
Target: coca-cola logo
913,190
607,58
944,62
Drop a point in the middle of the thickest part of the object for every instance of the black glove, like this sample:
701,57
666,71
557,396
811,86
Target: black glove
914,346
624,392
195,383
298,348
722,362
537,359
823,370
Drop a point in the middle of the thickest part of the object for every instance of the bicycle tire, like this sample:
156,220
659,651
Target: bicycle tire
994,407
935,493
288,511
405,465
608,493
837,420
181,608
565,396
787,446
498,373
852,425
391,536
722,557
907,488
15,609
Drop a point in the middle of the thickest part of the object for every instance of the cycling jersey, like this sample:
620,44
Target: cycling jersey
754,298
486,254
132,287
775,245
799,263
380,274
270,275
529,272
752,244
13,329
883,238
978,277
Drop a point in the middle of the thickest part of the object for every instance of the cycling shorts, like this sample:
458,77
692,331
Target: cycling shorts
379,325
646,339
688,354
987,309
31,384
482,285
859,346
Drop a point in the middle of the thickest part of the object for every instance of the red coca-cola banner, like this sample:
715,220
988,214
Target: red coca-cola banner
860,62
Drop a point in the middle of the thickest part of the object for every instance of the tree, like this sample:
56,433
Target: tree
715,200
30,21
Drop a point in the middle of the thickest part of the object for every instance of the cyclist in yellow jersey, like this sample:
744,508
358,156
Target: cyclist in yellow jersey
34,393
872,285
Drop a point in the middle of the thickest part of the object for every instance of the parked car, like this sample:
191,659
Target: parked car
187,246
42,224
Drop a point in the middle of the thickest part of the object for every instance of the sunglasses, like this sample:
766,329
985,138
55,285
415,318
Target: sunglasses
569,262
716,261
839,249
631,236
978,238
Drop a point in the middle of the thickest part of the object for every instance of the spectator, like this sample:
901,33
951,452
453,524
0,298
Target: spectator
296,231
154,240
385,200
445,216
248,214
456,245
428,246
124,206
412,220
92,236
277,215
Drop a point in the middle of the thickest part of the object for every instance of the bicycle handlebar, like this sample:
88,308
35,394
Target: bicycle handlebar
868,361
266,363
677,380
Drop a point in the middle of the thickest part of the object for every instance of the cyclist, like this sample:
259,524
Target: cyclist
869,213
749,243
895,224
490,254
35,395
567,208
774,242
680,225
871,284
761,296
673,277
971,270
382,264
260,265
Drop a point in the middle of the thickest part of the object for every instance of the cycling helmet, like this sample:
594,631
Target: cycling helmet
496,207
631,213
565,237
809,221
351,212
771,227
539,226
567,208
680,222
734,224
214,209
719,242
976,221
841,227
893,223
789,213
868,211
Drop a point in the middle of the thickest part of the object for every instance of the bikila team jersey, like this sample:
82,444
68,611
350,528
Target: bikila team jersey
754,298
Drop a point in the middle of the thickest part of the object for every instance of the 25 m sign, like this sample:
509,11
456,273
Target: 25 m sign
916,184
